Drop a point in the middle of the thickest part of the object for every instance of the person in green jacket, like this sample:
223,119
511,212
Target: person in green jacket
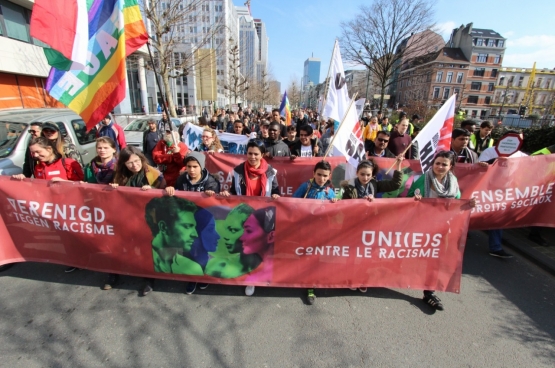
437,182
101,168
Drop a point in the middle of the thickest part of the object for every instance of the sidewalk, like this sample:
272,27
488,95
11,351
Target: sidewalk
517,239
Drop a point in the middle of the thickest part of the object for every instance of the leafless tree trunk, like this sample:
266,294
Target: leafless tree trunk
294,93
237,84
378,37
170,35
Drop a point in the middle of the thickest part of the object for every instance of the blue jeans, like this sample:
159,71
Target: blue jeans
494,240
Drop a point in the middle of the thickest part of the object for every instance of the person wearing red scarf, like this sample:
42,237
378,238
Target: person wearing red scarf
254,177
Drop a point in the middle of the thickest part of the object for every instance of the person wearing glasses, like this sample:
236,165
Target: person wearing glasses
378,148
438,182
210,142
29,163
306,146
255,178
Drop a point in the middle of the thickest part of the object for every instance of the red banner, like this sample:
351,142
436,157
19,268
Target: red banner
286,242
290,173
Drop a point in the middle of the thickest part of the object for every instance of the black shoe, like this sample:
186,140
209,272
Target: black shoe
501,254
433,300
70,269
147,289
191,287
537,239
202,286
311,298
110,282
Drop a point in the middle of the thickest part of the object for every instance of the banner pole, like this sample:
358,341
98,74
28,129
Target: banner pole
340,125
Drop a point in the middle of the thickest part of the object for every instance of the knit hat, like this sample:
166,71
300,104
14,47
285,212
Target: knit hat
196,156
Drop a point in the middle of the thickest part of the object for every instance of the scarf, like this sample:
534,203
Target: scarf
364,190
260,172
448,188
103,173
137,180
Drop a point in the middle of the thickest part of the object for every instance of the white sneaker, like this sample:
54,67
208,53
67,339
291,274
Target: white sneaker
249,290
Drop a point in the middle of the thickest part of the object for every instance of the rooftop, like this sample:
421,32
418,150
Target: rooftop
485,33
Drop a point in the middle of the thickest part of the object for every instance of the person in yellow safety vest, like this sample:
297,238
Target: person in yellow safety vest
403,115
481,139
386,125
545,151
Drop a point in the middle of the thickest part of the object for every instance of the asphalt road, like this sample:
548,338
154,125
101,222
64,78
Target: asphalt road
504,317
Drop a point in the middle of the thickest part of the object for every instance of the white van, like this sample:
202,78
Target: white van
15,136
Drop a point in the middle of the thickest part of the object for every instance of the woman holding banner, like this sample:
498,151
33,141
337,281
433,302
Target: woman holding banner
210,142
254,177
438,182
133,170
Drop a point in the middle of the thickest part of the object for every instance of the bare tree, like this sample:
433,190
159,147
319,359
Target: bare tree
175,54
237,84
294,92
384,34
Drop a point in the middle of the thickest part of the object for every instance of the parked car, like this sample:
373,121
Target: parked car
134,131
14,135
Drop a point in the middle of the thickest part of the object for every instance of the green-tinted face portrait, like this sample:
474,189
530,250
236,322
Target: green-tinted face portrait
233,229
183,233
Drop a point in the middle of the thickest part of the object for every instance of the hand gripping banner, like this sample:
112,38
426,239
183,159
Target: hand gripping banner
399,243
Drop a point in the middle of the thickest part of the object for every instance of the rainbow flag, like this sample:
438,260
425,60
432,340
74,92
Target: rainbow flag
285,109
115,30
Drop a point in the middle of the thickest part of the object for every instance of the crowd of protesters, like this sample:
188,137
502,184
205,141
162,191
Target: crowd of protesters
166,162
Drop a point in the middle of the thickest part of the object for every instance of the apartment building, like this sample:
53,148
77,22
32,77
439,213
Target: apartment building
484,49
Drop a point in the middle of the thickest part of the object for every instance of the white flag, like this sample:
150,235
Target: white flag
436,134
348,138
337,100
360,106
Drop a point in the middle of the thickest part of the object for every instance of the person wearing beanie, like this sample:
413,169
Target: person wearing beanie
195,179
169,154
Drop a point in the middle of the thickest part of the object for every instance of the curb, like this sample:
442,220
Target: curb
525,247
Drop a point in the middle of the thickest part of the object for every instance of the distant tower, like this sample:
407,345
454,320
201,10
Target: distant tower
311,71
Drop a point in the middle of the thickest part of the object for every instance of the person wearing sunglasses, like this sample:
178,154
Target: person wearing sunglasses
63,144
378,148
438,182
29,163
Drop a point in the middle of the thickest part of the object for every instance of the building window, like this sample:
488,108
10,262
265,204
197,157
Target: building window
456,92
483,114
493,73
487,100
479,41
501,81
475,86
474,113
473,99
482,58
479,72
500,43
450,77
520,81
446,93
436,92
460,77
490,87
491,43
496,59
15,21
439,76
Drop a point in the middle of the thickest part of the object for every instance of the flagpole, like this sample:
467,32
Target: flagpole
327,79
340,125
